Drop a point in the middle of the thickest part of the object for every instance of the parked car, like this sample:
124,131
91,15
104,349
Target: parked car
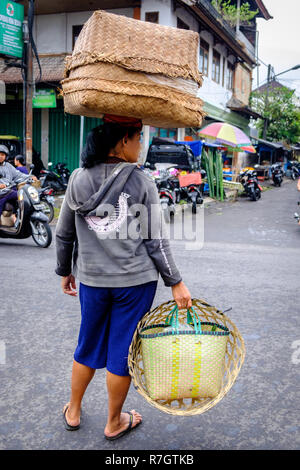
166,151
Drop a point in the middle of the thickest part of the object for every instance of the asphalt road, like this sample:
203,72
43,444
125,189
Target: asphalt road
249,261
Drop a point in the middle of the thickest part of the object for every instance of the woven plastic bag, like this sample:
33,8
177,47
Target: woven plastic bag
183,361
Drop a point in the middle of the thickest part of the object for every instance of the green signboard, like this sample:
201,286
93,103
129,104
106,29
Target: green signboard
11,35
45,98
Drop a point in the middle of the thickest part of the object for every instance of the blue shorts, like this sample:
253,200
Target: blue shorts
109,317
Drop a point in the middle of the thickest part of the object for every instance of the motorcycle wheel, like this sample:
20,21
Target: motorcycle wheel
49,210
194,208
253,195
42,234
293,176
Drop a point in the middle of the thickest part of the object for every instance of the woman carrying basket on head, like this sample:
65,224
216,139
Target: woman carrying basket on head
110,238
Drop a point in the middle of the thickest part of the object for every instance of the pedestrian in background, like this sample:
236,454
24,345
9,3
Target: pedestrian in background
19,163
117,275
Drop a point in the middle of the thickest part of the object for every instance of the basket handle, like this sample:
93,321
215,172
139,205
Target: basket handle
192,316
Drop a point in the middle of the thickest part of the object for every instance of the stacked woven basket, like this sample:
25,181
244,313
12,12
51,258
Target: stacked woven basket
133,68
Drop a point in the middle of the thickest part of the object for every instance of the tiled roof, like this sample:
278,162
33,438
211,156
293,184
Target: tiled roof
52,69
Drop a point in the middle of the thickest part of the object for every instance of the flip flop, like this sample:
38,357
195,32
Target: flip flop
67,425
128,429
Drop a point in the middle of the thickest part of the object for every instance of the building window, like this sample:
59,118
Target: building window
229,81
223,72
204,51
181,24
216,66
152,16
75,33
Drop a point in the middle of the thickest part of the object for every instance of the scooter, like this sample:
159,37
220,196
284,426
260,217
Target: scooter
168,191
30,220
48,202
193,195
250,183
293,170
63,171
56,178
277,174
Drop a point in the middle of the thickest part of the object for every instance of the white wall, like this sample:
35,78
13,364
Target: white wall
53,33
164,7
212,92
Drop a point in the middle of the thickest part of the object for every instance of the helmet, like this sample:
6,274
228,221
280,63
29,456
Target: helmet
4,149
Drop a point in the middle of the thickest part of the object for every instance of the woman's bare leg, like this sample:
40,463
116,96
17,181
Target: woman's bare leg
81,377
117,387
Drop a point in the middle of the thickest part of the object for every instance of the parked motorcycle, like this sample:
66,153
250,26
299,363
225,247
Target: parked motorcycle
63,171
57,179
169,193
277,174
193,191
48,202
250,183
193,195
293,169
30,219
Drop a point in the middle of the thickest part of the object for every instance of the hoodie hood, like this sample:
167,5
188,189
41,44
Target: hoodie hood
86,199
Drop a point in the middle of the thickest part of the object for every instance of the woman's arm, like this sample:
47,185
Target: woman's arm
65,239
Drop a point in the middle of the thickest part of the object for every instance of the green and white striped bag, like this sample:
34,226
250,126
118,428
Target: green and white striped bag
183,361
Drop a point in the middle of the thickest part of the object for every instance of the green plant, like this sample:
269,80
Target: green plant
231,13
213,164
281,111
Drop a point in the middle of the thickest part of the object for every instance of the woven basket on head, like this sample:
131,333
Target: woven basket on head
133,68
234,358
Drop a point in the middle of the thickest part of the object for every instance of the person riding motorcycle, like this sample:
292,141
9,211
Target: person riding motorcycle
8,175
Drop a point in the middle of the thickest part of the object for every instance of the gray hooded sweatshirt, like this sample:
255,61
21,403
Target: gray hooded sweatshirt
110,231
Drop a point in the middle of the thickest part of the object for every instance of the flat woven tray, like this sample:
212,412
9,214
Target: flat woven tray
234,358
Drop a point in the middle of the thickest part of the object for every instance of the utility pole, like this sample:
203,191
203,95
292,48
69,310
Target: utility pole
29,94
267,102
28,104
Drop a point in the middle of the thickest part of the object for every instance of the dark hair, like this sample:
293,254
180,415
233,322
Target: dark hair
101,140
20,159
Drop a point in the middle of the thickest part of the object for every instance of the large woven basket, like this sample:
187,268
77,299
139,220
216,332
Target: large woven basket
133,68
234,358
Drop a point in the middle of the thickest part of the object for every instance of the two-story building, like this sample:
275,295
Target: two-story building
227,56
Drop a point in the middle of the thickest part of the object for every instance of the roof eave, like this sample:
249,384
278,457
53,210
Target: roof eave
263,10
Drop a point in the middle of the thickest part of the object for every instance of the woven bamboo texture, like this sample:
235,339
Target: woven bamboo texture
136,45
108,72
234,358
